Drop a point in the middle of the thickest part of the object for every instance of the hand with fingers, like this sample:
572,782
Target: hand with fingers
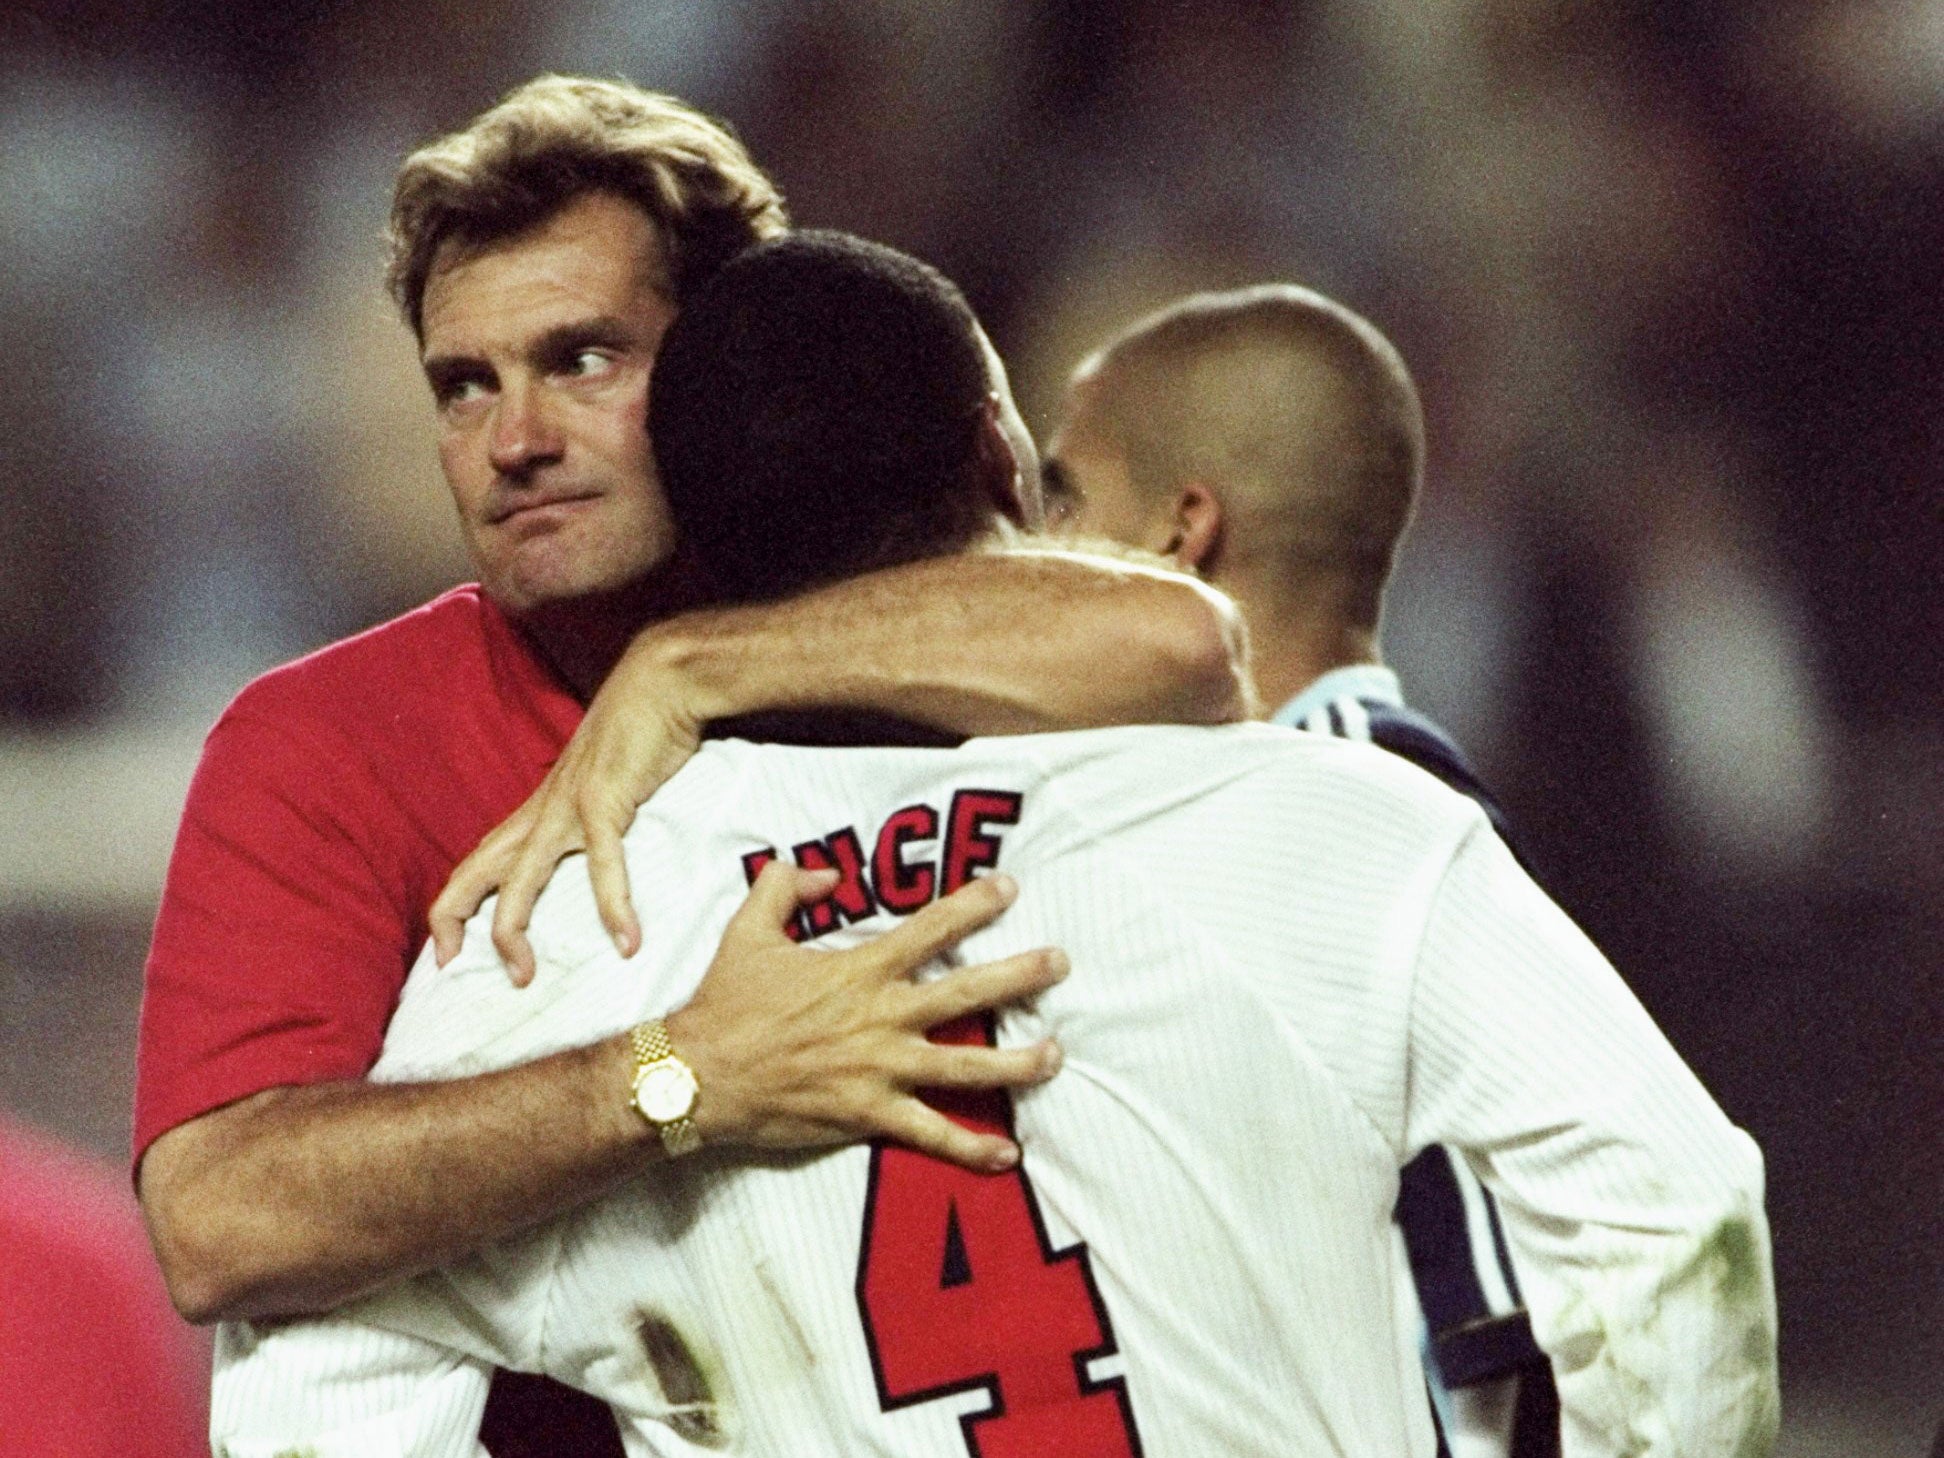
637,733
797,1047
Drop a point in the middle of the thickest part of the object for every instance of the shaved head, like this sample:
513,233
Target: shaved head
1296,413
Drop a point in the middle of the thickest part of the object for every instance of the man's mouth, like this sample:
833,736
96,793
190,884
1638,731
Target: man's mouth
527,506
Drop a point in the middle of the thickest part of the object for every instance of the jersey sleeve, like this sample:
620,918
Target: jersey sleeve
337,1387
1632,1207
280,945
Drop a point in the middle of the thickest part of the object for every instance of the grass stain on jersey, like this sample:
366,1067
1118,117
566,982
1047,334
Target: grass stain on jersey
1730,1253
1733,1257
684,1387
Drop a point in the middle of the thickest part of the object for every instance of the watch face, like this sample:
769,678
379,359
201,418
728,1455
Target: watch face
665,1091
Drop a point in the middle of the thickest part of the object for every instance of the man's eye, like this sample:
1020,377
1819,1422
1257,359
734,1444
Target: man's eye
589,362
460,392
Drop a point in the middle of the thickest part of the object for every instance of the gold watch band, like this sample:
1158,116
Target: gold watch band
651,1046
650,1043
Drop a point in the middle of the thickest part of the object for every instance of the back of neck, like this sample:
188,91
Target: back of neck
1296,639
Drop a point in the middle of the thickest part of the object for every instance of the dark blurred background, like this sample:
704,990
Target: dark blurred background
1669,274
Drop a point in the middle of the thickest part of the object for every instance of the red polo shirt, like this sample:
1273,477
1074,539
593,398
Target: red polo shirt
334,797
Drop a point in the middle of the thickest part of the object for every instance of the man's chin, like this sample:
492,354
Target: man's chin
539,579
670,587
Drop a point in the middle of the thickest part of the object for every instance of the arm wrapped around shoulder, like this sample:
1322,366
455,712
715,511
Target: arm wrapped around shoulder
1017,639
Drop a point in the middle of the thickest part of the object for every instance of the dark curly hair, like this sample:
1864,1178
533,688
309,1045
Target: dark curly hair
815,411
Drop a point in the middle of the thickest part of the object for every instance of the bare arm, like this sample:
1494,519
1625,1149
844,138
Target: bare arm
999,642
298,1199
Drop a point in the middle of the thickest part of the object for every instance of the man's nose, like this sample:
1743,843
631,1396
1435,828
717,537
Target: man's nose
524,431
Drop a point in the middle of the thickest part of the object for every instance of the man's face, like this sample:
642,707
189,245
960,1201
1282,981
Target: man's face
1090,490
538,349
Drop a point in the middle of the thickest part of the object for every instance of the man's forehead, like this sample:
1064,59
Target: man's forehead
599,256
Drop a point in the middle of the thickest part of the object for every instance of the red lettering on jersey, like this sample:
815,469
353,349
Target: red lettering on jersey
901,888
960,1288
890,881
967,846
852,899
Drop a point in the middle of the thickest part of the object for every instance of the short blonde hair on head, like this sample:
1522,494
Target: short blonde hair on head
558,138
1299,411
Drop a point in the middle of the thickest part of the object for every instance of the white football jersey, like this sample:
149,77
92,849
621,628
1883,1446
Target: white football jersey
1296,962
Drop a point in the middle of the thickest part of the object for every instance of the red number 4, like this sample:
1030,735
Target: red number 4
960,1289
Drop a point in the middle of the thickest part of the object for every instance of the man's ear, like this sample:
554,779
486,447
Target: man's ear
998,469
1195,528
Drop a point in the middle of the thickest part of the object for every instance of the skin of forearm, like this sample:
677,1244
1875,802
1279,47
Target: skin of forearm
300,1198
995,642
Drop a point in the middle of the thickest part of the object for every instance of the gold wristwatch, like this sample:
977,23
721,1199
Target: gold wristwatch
664,1088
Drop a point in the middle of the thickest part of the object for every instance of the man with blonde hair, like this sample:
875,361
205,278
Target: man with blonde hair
558,137
1271,439
539,254
1266,437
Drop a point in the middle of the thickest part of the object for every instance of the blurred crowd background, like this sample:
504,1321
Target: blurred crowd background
1668,273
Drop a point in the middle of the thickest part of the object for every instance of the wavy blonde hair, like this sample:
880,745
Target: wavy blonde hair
557,138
